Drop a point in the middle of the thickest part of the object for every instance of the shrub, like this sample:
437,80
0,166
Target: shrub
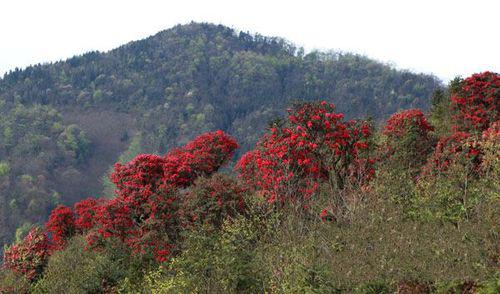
459,148
11,282
77,270
491,285
408,140
211,200
213,261
375,287
29,257
490,146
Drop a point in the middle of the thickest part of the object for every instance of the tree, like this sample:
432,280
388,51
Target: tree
145,213
477,102
316,146
409,140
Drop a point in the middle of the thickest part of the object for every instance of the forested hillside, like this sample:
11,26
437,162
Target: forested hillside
63,125
320,204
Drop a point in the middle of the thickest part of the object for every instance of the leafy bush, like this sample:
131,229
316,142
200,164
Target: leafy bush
218,262
408,140
11,282
29,257
477,102
212,200
78,270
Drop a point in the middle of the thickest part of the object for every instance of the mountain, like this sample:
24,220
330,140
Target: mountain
64,124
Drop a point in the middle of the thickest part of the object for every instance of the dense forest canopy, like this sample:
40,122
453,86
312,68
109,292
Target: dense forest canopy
64,124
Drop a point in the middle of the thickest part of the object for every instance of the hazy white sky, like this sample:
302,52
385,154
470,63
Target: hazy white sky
443,37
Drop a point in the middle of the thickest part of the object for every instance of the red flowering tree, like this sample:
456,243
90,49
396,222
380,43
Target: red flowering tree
317,145
213,199
408,139
476,106
460,146
29,257
477,102
61,225
145,213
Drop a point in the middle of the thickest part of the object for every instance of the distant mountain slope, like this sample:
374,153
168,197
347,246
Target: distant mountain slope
162,91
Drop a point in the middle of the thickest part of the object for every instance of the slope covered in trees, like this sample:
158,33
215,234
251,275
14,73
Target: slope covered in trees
322,204
160,92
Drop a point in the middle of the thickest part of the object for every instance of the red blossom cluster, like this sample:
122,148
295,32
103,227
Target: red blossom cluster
477,103
65,222
452,148
149,173
86,214
61,225
30,256
411,120
477,107
409,134
317,145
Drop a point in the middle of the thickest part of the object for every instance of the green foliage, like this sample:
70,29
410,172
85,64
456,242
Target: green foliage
133,150
223,262
73,140
13,283
78,270
36,144
375,287
441,113
4,169
373,250
490,286
455,196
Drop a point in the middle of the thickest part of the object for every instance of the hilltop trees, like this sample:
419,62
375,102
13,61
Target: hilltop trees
36,145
